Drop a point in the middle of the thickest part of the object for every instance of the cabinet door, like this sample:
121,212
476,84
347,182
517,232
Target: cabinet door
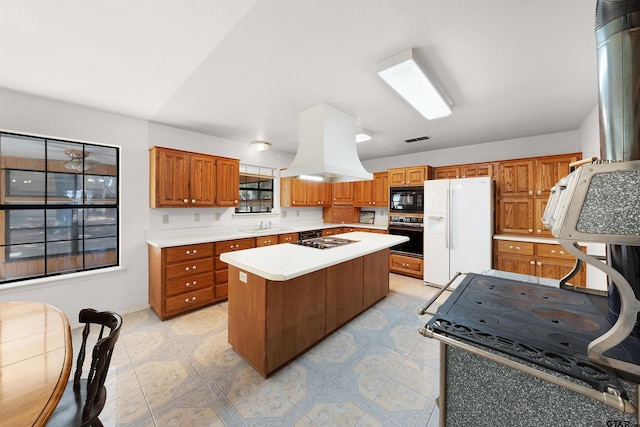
516,178
415,176
376,277
396,176
540,206
475,170
227,182
555,269
339,214
202,180
549,170
317,193
516,264
172,178
345,292
363,193
381,189
448,172
343,192
515,216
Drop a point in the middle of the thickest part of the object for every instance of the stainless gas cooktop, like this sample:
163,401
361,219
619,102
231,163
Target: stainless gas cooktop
325,242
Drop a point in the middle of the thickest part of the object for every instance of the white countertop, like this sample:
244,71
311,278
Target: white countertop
532,239
287,260
190,236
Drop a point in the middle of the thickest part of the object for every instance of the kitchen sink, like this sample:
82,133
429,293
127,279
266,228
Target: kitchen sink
271,230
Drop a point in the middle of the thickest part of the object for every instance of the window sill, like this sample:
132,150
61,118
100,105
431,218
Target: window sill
44,282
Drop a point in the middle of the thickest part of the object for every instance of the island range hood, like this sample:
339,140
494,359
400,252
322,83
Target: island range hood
327,147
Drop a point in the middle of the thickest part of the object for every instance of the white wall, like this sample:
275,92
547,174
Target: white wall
121,290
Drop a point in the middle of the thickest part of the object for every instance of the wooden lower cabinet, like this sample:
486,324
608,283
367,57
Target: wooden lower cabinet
406,265
536,259
273,322
288,238
221,268
180,278
267,240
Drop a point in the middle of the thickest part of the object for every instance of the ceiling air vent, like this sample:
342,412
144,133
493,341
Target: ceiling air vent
420,138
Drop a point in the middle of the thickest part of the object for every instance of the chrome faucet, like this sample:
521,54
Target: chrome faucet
261,225
269,224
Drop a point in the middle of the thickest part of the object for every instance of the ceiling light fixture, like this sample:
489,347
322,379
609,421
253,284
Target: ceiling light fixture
407,77
363,135
77,162
260,145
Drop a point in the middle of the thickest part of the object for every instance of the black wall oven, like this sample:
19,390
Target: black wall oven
403,200
412,227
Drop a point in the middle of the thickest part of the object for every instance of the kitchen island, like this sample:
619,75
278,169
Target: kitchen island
283,299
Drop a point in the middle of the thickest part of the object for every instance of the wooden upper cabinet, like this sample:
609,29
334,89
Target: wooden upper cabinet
343,192
516,178
550,169
363,193
381,189
476,170
228,182
293,192
168,178
515,215
446,172
184,179
318,193
407,176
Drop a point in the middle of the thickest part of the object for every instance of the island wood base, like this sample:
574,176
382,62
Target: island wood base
273,322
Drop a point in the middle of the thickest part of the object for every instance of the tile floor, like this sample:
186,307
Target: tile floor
375,371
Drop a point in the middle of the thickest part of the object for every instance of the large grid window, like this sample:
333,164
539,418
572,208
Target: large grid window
256,189
59,207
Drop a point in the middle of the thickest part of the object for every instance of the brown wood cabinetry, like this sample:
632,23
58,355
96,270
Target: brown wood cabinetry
227,182
267,240
446,172
221,268
296,192
184,179
329,231
536,259
343,193
406,265
339,214
372,193
288,237
414,175
180,278
289,317
523,188
470,170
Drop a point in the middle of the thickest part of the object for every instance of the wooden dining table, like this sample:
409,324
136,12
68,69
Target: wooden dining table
35,362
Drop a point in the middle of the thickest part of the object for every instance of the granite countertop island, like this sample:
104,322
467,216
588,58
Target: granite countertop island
287,261
284,299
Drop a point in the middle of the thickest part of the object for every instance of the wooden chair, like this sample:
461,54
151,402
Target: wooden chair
83,399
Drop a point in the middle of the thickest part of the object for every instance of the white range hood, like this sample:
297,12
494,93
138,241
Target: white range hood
327,147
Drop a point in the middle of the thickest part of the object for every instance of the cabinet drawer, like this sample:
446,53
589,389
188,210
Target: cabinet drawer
222,276
266,240
235,245
183,302
191,283
184,253
188,268
552,251
515,247
289,237
406,263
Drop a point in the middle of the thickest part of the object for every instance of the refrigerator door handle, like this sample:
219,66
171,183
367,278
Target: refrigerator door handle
450,220
446,223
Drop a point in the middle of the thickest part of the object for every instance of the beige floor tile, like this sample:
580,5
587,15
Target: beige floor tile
335,414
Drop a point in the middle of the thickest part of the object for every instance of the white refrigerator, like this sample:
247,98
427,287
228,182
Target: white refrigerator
458,228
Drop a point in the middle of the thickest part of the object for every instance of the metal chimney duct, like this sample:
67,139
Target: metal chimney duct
618,49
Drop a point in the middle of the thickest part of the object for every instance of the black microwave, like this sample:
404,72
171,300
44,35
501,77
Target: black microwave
406,199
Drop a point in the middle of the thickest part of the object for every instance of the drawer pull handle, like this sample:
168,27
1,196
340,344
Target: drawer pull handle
538,231
538,192
191,285
510,246
530,192
190,300
531,230
532,262
192,268
553,251
186,200
539,263
561,252
193,200
517,248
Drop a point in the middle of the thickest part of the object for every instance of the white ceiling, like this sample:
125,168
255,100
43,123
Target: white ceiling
244,69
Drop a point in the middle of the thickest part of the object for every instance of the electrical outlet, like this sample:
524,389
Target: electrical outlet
217,216
297,213
196,217
284,214
243,277
165,219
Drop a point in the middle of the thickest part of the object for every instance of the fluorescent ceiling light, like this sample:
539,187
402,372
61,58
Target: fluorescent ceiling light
363,135
404,74
260,145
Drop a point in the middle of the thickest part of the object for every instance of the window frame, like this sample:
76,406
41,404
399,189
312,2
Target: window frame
252,170
80,257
